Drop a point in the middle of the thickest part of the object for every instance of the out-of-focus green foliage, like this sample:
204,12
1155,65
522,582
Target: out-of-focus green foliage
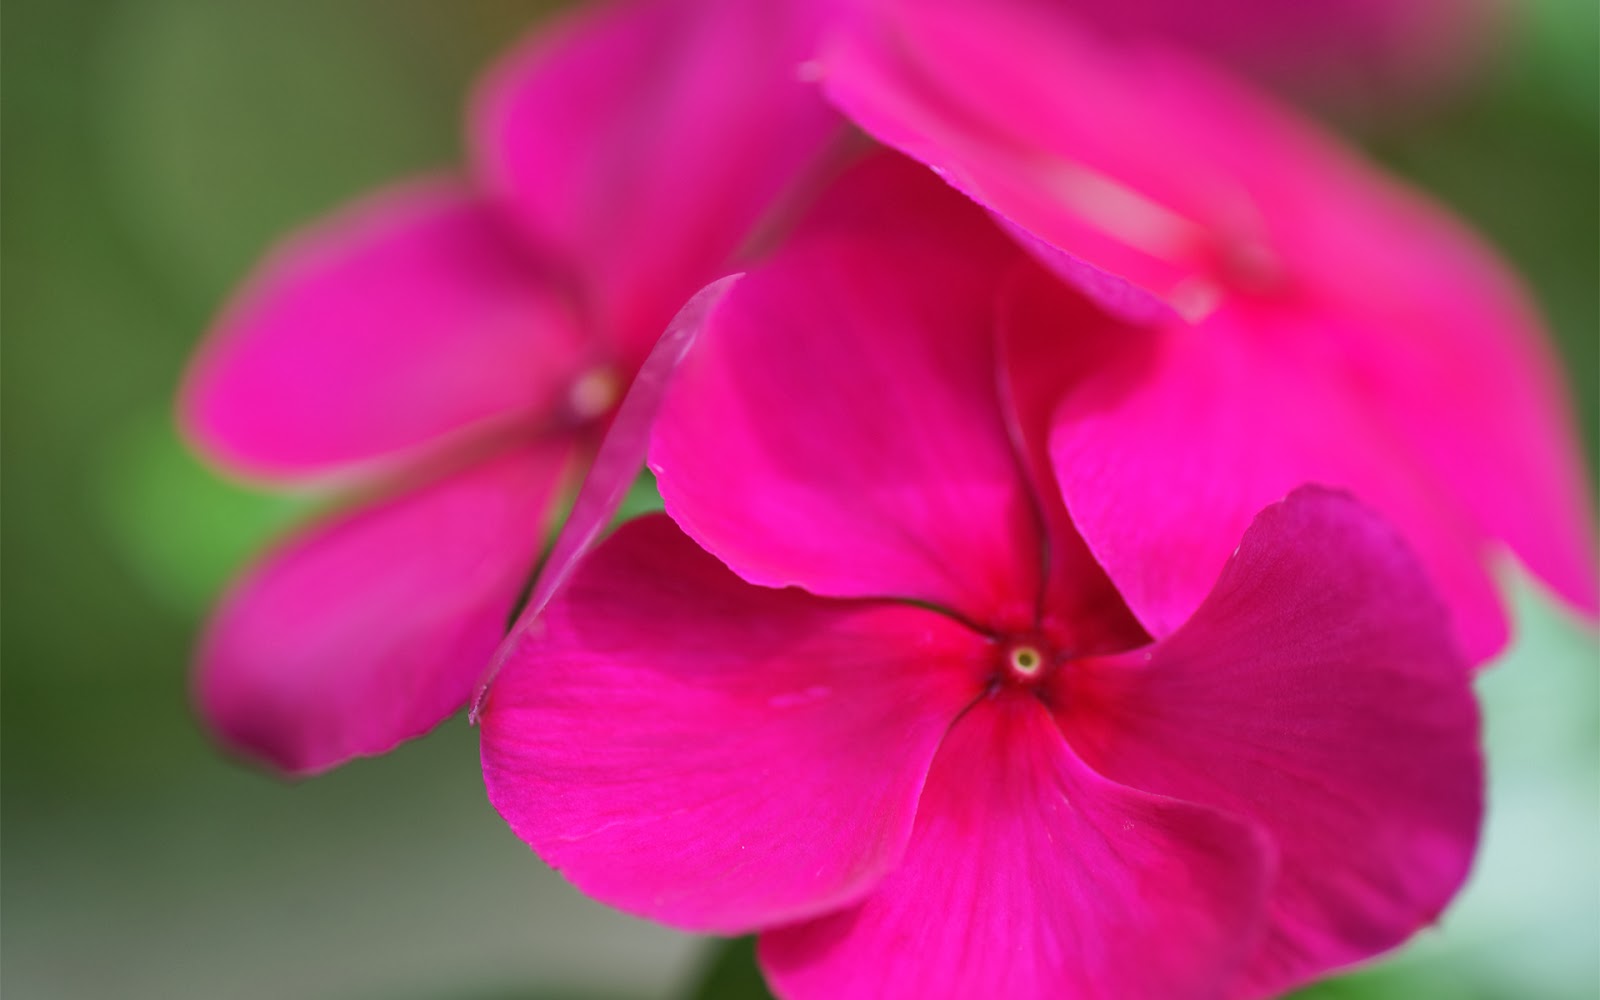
152,149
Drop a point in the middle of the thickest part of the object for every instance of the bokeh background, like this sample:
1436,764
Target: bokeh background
151,150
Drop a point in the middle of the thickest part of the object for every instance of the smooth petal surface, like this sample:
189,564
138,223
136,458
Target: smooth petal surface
643,141
1320,693
989,110
1349,49
1077,143
402,320
837,425
1457,367
1030,876
718,756
1165,453
372,628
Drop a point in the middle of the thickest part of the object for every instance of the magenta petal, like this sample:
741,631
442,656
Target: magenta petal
1042,357
1030,876
372,628
1472,386
1318,692
642,142
408,317
718,756
1028,119
837,424
616,466
1167,452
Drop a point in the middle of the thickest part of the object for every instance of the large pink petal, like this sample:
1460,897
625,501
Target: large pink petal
1165,453
1318,692
643,141
372,628
411,316
1134,160
1030,876
837,425
1448,352
1033,122
714,755
1433,330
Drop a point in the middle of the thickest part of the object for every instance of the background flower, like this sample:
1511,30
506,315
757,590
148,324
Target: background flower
448,352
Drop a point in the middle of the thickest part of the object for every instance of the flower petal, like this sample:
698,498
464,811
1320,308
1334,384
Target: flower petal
1168,449
642,142
837,424
1042,357
1065,174
372,628
616,467
411,316
1472,386
1028,875
713,755
1319,693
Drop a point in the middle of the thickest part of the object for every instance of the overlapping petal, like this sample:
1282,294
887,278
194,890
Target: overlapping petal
1031,121
1469,383
643,141
1029,875
1043,355
618,460
837,424
1141,167
383,330
1169,447
372,628
691,748
1319,693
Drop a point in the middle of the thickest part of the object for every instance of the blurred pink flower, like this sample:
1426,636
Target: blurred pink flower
1361,50
871,697
1305,318
448,351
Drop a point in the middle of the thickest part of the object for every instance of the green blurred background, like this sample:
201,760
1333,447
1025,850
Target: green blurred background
151,149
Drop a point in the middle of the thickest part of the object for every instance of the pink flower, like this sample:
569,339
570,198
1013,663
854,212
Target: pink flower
1307,318
447,352
869,695
1343,48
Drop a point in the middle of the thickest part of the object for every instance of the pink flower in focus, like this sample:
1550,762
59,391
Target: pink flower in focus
448,352
869,695
1305,318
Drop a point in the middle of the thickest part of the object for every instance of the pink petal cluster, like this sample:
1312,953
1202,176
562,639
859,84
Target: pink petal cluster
866,692
993,642
1072,569
448,351
1303,317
